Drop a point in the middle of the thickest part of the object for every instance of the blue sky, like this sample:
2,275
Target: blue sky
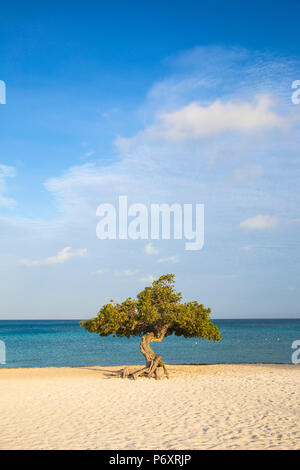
176,102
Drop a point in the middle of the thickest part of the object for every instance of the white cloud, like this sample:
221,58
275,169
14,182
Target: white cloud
101,271
7,201
148,279
89,153
6,172
196,121
260,222
127,272
170,259
150,250
62,256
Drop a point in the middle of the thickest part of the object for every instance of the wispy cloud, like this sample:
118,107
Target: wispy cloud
147,279
6,172
62,256
89,153
127,272
101,271
170,160
260,222
170,259
150,250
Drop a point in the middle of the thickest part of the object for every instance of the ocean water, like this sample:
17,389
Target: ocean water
64,343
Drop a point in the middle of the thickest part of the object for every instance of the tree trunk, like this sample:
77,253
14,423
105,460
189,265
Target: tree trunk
154,364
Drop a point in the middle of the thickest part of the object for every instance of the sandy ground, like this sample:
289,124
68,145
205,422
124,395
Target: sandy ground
199,407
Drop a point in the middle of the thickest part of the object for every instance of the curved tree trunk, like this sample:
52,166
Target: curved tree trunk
154,364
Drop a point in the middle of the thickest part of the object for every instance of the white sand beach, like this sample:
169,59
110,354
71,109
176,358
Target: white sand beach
199,407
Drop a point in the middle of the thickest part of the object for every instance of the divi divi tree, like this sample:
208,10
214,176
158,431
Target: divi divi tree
157,312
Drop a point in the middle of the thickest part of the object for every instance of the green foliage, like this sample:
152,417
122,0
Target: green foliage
155,307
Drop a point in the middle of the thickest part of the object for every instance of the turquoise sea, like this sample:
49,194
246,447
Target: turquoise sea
64,343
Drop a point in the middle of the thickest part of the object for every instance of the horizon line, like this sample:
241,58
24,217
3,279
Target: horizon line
80,319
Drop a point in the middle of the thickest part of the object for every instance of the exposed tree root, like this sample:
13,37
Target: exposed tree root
154,365
157,369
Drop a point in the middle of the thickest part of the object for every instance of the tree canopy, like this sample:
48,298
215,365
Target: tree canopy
156,308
